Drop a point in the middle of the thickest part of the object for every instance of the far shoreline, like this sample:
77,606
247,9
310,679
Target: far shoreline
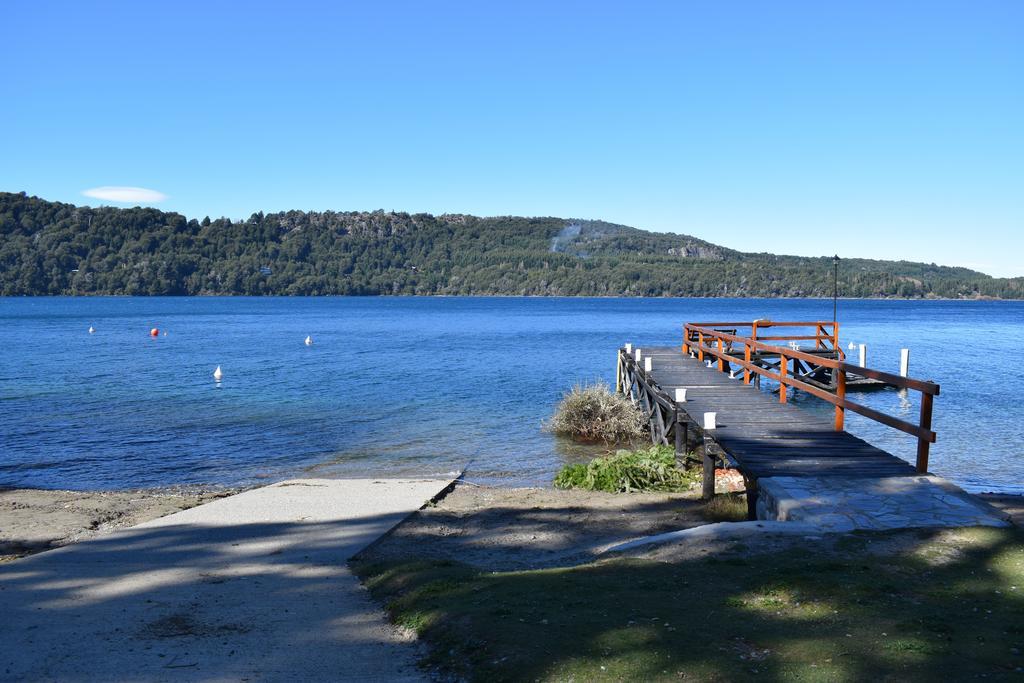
937,299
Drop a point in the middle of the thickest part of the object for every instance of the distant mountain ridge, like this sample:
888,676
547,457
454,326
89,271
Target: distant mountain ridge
51,248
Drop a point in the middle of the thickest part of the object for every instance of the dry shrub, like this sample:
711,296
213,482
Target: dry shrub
594,413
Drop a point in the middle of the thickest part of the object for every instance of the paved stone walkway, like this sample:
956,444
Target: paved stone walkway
840,504
251,587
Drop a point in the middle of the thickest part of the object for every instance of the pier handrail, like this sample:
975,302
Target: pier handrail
699,332
822,333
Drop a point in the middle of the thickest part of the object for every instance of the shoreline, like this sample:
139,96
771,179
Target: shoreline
501,296
36,520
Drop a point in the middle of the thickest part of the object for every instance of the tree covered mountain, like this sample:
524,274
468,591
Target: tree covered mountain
53,248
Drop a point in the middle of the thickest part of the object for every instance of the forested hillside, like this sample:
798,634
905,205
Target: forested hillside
53,248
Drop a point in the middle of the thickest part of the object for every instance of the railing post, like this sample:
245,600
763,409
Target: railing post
819,333
618,371
700,346
783,371
841,395
926,423
721,355
746,359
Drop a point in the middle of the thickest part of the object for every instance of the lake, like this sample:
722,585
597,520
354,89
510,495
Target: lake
425,386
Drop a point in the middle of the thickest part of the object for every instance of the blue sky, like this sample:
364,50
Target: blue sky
881,130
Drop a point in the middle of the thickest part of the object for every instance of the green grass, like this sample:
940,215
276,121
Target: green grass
947,609
652,469
726,507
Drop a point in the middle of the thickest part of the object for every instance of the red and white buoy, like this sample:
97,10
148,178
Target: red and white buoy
154,332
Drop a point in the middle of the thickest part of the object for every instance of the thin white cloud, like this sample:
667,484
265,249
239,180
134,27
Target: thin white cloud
126,195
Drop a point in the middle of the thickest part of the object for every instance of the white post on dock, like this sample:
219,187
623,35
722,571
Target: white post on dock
680,395
647,364
904,362
636,355
863,355
629,348
709,421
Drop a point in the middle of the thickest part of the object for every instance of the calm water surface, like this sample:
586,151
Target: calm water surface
397,386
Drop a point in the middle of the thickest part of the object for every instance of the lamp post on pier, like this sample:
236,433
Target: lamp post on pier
835,287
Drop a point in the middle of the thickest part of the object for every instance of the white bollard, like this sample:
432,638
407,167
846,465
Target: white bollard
680,395
710,363
647,364
863,355
732,374
629,348
904,362
636,355
709,421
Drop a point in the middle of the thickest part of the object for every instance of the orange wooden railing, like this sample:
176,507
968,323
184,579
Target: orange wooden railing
702,339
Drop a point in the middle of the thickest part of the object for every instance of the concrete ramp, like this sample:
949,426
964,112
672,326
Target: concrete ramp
253,587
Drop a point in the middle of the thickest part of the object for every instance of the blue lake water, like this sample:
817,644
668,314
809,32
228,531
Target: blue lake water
395,386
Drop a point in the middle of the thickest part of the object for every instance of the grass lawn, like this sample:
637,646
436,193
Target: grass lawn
921,605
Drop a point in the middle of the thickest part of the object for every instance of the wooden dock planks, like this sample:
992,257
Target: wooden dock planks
765,437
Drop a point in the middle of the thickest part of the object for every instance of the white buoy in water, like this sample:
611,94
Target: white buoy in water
852,346
217,374
92,329
309,340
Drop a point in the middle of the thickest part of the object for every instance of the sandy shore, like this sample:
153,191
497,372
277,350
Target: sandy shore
33,520
494,519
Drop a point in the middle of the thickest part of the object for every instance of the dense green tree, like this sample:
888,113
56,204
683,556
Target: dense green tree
52,248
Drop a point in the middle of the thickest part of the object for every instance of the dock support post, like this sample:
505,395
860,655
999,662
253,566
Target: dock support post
708,488
680,426
904,362
863,355
926,423
751,492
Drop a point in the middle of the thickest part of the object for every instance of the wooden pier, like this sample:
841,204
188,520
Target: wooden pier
717,371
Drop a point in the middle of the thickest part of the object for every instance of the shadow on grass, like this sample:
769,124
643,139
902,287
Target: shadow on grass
509,535
945,607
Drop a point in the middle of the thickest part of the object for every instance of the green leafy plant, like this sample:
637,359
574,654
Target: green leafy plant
652,469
